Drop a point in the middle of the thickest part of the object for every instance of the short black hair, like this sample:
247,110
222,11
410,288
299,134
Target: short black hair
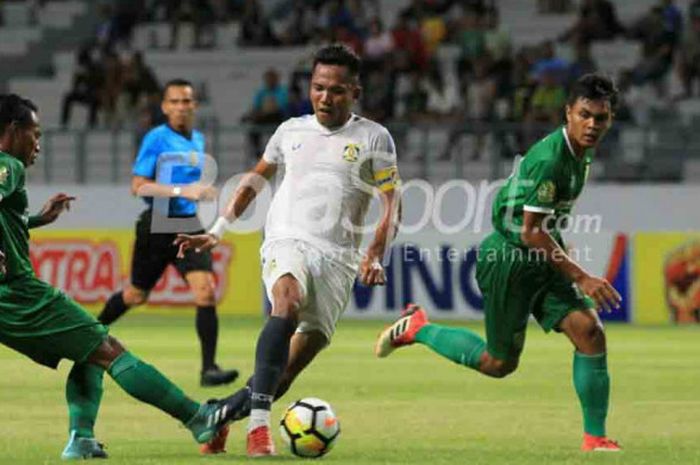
178,82
340,55
15,109
594,86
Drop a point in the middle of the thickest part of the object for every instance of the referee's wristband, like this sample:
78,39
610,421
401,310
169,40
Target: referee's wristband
219,227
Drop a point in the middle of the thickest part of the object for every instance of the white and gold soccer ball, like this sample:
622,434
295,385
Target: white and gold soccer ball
309,427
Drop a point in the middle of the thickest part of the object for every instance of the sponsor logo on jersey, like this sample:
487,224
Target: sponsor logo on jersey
351,152
3,174
546,192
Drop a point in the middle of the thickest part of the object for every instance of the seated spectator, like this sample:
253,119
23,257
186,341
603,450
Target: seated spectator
87,81
673,18
597,21
197,12
269,108
470,39
255,27
138,81
410,52
296,27
583,62
657,49
378,45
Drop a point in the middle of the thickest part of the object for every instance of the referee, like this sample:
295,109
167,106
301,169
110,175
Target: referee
168,166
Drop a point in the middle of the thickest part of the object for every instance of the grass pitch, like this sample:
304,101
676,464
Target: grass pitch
411,408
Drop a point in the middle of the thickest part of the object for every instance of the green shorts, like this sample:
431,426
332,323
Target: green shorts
516,283
44,324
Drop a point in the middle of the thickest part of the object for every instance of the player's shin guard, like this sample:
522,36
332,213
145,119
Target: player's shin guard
145,383
592,385
460,345
83,394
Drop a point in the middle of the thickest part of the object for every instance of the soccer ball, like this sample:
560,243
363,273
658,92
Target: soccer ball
309,427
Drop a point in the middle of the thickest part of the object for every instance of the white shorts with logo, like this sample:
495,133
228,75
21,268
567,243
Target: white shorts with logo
326,284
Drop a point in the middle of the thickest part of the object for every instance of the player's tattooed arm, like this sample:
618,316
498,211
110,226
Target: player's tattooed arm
536,236
51,210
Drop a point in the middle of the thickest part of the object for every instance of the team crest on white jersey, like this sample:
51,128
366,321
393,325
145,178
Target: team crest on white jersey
351,152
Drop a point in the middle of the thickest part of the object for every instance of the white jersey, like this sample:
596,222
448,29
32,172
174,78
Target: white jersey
328,182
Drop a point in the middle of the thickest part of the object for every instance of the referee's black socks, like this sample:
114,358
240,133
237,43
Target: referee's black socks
114,308
207,324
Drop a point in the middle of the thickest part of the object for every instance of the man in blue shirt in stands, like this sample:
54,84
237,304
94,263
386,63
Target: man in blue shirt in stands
166,174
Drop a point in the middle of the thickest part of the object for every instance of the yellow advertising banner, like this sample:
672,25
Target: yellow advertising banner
90,265
666,277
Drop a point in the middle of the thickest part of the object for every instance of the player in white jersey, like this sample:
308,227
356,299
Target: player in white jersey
334,160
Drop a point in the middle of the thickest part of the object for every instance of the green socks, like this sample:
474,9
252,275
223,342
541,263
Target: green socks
147,384
592,385
460,345
83,394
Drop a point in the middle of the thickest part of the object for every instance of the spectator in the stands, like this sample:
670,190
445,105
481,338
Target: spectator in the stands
470,39
269,109
658,45
297,24
197,12
597,20
255,26
409,48
86,84
138,81
673,18
378,45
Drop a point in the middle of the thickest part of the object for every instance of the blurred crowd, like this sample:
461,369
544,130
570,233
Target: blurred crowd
408,76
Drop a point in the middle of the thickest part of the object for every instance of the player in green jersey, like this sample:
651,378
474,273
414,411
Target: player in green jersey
523,267
44,324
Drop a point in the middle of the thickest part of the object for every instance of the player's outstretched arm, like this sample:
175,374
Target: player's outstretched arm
251,184
535,236
51,210
371,269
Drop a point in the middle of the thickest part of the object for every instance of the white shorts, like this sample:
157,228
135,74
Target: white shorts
325,284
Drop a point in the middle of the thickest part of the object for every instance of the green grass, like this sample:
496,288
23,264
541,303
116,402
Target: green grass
412,408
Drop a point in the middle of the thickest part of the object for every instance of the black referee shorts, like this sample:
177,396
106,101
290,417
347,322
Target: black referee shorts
154,252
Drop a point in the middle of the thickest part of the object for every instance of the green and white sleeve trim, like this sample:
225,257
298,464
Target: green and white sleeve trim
531,208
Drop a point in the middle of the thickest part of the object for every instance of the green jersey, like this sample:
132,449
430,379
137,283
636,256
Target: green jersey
14,219
549,180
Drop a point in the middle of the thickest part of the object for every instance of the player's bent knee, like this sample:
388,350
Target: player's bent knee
106,352
133,296
498,368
